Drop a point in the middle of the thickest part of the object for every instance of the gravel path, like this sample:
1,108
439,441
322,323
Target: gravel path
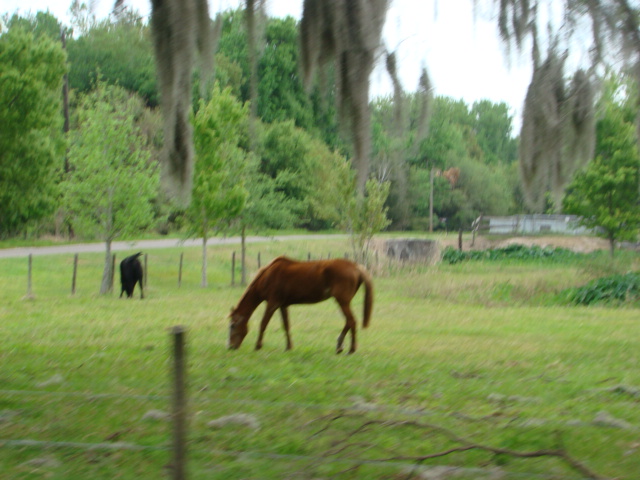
146,245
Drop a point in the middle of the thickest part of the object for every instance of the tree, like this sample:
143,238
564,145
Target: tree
365,216
112,183
493,126
42,23
31,143
219,193
606,194
119,52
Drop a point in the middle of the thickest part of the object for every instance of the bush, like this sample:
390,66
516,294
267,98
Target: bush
612,289
511,252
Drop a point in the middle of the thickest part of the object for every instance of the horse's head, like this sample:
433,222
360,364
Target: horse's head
238,328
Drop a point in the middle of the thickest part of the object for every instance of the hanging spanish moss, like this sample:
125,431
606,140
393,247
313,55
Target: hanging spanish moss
180,30
558,129
255,15
425,102
347,33
558,125
514,20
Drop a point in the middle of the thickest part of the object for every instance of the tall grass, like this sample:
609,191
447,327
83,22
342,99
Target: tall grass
473,350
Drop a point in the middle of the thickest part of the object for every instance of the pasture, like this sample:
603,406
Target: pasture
463,368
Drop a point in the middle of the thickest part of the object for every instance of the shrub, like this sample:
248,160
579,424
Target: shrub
511,252
612,289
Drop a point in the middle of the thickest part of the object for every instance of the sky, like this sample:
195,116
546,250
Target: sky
458,45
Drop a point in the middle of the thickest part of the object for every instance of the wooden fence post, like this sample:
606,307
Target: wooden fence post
180,271
29,283
179,404
75,274
145,277
259,261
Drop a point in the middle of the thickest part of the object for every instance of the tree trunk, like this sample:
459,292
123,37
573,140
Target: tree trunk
612,246
105,286
204,261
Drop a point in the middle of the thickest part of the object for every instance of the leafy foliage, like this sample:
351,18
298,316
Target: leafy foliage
616,288
511,252
606,193
365,216
120,53
31,143
218,190
112,183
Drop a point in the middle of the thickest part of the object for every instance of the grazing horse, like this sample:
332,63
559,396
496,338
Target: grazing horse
285,282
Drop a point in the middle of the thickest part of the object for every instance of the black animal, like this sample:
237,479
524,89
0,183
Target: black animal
130,274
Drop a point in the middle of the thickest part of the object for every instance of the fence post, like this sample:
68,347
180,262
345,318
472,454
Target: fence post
75,274
145,277
179,404
29,284
180,271
259,265
233,268
460,239
309,256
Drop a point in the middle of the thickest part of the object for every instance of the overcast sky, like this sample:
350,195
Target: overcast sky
459,47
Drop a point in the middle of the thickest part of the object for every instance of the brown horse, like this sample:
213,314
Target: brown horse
286,282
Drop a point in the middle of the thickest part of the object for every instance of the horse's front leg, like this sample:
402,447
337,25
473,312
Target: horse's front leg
350,325
285,324
268,313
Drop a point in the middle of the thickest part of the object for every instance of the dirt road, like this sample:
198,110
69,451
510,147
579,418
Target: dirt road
144,245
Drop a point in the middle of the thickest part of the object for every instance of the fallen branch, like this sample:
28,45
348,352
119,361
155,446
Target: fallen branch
465,446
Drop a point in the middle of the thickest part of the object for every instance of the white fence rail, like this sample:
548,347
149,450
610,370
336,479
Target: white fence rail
531,224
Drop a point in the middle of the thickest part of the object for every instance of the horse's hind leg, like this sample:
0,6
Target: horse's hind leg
285,323
350,325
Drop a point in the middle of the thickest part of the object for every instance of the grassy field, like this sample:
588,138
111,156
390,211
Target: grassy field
470,364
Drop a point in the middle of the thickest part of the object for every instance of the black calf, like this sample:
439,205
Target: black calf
130,274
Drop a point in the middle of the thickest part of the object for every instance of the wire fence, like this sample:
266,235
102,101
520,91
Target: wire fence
181,267
368,414
234,401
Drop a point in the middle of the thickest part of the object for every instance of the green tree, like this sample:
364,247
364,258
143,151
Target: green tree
41,23
117,50
112,183
31,143
365,216
281,95
296,161
493,126
219,193
606,193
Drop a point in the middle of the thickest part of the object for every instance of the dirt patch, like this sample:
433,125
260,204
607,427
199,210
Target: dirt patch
580,244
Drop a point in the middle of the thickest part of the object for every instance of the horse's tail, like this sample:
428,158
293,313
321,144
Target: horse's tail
368,296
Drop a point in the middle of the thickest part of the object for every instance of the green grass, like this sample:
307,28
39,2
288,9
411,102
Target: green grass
479,349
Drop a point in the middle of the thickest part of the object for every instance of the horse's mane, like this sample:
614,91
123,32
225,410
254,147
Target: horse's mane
260,273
